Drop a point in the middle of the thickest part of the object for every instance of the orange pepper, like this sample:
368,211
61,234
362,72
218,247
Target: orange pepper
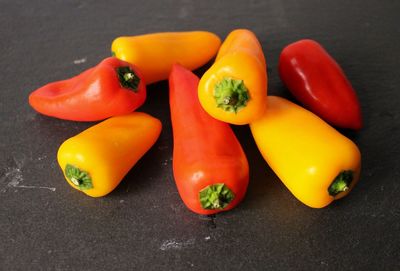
234,89
155,53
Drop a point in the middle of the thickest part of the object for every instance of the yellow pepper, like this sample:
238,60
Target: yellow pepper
96,160
155,53
315,162
234,89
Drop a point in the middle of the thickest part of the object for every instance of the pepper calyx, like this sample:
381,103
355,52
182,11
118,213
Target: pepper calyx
215,197
78,177
231,94
128,78
341,183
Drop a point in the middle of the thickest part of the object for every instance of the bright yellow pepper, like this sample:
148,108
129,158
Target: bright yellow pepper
96,160
234,89
155,53
315,162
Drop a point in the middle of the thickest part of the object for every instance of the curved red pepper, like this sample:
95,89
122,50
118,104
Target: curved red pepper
113,87
210,168
319,83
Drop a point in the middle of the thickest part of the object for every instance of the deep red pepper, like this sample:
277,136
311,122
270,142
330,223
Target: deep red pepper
210,168
319,83
113,87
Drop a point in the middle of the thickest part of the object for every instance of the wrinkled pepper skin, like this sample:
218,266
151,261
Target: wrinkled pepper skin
96,160
234,89
318,82
111,88
210,168
315,162
155,53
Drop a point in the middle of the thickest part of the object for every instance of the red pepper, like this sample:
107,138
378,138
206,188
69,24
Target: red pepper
210,168
113,87
319,83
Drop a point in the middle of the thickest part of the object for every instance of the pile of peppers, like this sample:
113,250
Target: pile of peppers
316,162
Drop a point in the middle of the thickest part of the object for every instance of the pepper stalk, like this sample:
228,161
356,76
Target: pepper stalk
231,94
341,183
78,177
215,196
128,78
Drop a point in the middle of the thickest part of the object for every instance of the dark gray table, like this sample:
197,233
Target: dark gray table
143,225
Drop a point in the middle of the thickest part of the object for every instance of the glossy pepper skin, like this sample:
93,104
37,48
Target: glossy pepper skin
111,88
319,83
155,53
96,160
315,162
234,89
210,168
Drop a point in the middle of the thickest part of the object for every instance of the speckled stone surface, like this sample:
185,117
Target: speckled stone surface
143,224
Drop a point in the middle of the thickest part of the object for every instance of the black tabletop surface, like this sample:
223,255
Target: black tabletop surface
143,224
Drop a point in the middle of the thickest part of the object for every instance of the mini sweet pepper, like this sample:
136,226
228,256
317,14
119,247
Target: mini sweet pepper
234,89
113,87
96,160
318,82
155,53
315,162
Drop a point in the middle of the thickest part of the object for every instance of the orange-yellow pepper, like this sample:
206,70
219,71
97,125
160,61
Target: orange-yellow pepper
315,162
155,53
234,89
96,160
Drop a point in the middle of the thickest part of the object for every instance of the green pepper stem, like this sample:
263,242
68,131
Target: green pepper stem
215,196
341,183
231,95
128,78
78,177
